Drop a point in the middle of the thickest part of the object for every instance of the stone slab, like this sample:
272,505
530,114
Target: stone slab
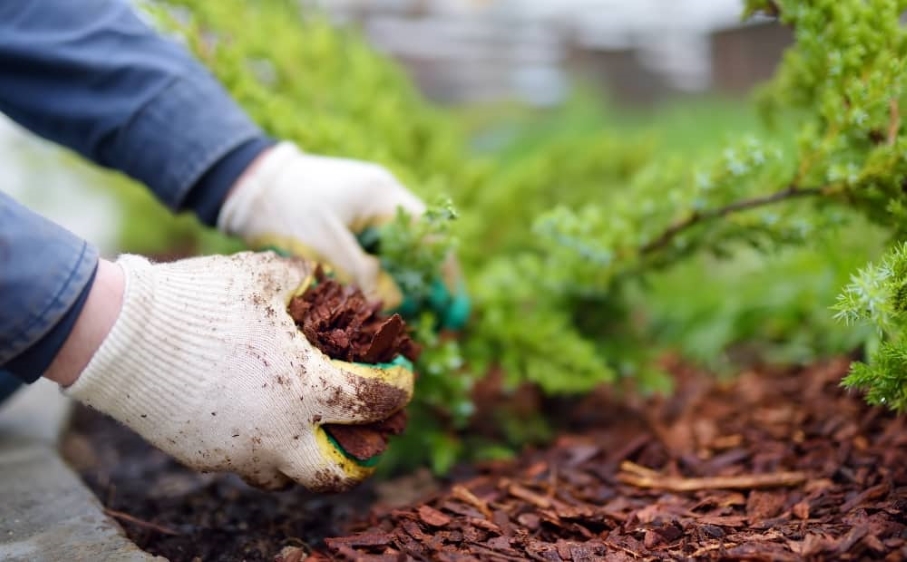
48,515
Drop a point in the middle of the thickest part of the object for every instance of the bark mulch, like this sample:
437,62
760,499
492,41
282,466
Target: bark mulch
774,465
339,321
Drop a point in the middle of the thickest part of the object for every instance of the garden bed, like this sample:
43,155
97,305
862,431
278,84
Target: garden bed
774,465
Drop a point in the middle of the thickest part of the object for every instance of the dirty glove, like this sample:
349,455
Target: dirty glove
315,206
205,363
312,206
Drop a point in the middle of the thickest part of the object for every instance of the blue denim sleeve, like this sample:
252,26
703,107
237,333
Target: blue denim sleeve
45,274
94,77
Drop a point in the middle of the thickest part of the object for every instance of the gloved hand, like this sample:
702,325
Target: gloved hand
205,363
315,206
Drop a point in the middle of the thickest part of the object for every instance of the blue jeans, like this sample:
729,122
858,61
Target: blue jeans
95,78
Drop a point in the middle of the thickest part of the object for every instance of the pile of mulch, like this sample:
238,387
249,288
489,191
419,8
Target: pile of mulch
344,325
774,465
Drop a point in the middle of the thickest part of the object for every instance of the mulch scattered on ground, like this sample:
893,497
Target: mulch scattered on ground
773,465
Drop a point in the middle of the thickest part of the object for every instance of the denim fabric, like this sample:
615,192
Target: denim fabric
44,269
31,363
94,77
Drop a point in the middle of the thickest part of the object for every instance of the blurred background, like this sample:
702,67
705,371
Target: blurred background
496,61
637,53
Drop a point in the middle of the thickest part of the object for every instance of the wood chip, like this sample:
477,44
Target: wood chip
433,517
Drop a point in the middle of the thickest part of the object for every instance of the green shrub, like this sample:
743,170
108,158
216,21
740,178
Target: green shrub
592,242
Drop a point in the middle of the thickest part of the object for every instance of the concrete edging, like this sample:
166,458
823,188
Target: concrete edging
47,513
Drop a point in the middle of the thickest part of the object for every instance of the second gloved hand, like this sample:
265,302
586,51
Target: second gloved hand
205,363
314,206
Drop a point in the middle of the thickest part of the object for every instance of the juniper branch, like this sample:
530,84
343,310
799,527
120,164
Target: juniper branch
698,217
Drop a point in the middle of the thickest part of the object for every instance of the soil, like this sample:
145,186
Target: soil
339,321
773,465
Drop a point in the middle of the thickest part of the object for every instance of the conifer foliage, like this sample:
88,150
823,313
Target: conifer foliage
558,243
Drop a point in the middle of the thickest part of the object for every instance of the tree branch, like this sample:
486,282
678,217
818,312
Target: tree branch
894,121
698,217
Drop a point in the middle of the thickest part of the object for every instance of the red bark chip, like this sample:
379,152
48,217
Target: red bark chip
433,517
669,504
343,325
340,322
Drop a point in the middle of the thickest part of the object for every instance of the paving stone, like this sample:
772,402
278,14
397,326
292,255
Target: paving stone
48,515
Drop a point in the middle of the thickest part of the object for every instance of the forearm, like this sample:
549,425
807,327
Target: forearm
45,277
95,78
94,322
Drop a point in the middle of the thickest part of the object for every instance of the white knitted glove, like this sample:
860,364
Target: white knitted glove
205,363
313,206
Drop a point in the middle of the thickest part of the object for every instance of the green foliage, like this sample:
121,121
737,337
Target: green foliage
877,296
876,293
413,252
842,84
759,309
593,241
304,80
847,74
849,71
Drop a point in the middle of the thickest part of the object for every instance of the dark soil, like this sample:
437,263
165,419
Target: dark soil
775,465
340,322
183,515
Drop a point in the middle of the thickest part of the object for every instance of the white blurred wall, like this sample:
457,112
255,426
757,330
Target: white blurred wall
488,49
39,175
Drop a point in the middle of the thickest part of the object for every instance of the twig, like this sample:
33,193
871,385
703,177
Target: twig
894,122
522,493
711,547
632,476
140,522
697,217
464,495
638,469
552,482
491,554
